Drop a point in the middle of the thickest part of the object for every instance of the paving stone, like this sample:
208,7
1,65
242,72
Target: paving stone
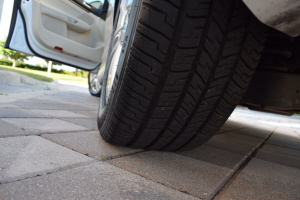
58,113
230,125
260,131
228,145
215,156
47,106
298,132
76,99
28,156
285,137
282,150
93,114
245,121
264,180
44,99
240,141
90,123
243,138
258,114
16,113
195,177
295,124
89,143
8,105
8,130
237,138
95,181
6,100
281,123
18,88
27,94
44,125
75,96
18,92
280,155
199,172
89,103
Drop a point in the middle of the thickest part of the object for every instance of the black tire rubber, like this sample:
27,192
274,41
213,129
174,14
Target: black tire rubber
190,63
92,92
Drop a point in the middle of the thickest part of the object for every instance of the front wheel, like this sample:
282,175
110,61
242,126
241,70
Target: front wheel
176,71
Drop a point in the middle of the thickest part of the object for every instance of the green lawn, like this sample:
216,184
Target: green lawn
42,76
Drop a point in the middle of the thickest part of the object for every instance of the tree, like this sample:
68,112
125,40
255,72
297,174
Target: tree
49,68
13,55
50,63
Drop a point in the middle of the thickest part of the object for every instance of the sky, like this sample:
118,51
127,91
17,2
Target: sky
4,29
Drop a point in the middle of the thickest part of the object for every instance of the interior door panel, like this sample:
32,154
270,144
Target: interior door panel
66,31
75,25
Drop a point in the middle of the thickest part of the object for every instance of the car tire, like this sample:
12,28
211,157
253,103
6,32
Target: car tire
94,85
186,67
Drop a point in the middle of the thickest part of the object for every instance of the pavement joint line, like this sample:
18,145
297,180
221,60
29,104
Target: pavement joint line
75,111
185,192
157,182
72,166
64,119
51,133
43,133
225,131
104,159
278,145
241,165
123,155
43,118
13,136
92,162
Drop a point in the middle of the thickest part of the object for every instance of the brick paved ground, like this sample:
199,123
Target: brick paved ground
50,148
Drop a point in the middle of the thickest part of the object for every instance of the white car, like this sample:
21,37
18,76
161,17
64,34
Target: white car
169,72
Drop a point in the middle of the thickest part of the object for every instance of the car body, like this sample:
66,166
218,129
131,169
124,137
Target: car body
76,33
283,16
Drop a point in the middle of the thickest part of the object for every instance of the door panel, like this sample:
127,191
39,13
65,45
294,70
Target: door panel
61,30
18,40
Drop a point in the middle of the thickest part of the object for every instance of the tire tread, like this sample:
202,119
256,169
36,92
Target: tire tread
189,66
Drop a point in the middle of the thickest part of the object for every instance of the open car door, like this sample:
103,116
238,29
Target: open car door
71,32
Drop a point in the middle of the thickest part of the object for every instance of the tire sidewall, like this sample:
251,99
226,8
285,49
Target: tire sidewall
105,108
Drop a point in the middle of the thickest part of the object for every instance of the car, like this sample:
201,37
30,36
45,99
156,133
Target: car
169,72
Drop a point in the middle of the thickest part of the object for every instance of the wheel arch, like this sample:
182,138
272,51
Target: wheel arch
283,16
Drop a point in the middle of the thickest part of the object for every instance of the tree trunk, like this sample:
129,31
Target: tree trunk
14,63
49,68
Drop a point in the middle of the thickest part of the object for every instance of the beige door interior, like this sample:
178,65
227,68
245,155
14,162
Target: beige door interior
65,31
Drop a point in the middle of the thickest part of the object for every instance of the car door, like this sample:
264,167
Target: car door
72,32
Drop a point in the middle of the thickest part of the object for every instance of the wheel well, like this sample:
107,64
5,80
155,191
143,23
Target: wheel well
276,83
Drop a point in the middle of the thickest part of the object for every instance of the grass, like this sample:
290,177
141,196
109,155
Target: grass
42,76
